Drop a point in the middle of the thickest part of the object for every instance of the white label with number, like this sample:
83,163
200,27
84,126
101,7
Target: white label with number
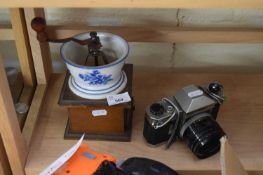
100,112
195,93
118,99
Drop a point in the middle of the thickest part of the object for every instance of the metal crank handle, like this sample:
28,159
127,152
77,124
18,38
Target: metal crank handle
38,24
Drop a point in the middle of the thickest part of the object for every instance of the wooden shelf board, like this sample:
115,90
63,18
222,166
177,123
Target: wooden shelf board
33,113
135,3
240,116
167,34
158,34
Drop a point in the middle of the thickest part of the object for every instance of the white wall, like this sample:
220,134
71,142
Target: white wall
183,57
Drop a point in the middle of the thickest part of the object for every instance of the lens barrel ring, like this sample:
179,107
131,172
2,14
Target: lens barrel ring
192,120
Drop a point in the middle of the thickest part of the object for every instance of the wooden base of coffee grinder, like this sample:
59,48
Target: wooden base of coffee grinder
115,125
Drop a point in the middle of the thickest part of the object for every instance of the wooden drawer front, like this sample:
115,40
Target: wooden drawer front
82,120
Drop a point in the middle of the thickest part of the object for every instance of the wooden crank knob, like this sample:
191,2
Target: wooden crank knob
38,24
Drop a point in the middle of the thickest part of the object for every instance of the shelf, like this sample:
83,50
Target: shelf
134,3
241,118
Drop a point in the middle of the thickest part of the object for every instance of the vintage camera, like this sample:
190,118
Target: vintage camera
190,115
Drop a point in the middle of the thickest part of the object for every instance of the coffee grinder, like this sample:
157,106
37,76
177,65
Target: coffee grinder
96,69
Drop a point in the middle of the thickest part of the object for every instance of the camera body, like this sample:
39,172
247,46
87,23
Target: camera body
190,115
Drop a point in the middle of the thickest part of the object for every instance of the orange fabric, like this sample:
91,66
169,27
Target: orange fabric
84,162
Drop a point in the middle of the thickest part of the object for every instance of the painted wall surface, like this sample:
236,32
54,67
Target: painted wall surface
184,57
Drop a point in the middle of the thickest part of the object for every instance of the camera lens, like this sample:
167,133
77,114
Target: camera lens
203,137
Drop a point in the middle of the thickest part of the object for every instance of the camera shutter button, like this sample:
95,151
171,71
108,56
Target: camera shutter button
156,109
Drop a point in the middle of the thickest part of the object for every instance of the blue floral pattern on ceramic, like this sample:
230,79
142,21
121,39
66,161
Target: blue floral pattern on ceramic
95,78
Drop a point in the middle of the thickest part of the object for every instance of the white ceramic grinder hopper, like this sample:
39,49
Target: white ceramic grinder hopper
97,81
